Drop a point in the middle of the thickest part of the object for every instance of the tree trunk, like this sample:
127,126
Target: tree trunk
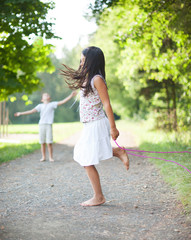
0,116
4,106
174,106
168,104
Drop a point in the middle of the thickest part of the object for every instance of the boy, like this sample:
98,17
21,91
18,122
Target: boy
46,110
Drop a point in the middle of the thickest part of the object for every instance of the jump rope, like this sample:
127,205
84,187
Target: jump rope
129,151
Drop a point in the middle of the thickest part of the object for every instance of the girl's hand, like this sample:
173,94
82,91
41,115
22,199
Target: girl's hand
114,133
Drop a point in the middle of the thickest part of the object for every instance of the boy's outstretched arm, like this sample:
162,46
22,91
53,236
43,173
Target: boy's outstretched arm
74,93
17,114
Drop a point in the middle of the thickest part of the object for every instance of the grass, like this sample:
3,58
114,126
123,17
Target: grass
10,151
23,128
158,140
65,130
13,151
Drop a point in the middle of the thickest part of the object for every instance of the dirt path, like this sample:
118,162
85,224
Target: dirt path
40,201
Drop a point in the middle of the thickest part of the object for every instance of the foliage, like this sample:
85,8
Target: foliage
13,151
151,63
21,22
100,5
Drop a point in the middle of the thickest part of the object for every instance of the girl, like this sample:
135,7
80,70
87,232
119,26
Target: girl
94,144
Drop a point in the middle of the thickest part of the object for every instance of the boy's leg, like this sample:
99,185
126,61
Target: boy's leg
42,140
49,140
98,197
43,151
122,155
50,151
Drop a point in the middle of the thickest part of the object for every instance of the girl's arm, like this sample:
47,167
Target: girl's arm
17,114
67,98
103,93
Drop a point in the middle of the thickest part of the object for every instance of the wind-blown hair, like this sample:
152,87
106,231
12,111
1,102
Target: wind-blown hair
94,64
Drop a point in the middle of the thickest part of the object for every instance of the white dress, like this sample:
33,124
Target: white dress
94,144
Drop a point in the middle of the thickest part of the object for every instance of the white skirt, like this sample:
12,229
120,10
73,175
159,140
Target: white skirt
94,144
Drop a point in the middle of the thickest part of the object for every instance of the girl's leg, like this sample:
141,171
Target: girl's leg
50,151
43,151
122,155
98,197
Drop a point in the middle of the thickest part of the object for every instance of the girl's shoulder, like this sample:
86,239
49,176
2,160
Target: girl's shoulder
98,75
94,77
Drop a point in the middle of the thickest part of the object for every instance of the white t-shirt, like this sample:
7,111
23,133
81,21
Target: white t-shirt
46,112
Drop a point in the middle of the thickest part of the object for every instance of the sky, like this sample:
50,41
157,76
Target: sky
70,23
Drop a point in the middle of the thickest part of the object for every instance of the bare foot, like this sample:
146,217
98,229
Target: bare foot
122,155
93,202
51,159
42,159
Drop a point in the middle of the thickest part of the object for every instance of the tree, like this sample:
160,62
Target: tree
21,21
154,50
100,5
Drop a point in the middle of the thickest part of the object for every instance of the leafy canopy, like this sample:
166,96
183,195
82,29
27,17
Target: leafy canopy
23,26
147,46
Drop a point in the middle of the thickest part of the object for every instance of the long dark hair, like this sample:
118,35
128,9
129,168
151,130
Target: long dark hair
94,64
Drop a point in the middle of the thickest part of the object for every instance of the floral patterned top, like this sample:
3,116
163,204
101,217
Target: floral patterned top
91,107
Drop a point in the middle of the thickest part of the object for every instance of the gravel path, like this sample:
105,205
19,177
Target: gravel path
40,201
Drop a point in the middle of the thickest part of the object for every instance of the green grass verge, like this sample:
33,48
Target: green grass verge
13,151
9,151
158,140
